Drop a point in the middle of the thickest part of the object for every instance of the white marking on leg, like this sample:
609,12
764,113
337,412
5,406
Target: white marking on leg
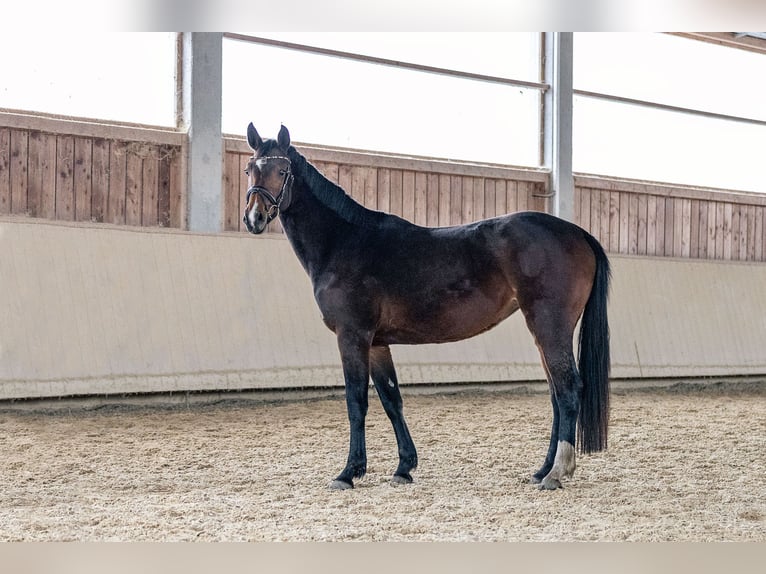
391,383
564,464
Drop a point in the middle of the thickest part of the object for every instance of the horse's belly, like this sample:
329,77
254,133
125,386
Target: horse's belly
452,319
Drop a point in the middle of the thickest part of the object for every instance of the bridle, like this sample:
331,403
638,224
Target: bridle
275,202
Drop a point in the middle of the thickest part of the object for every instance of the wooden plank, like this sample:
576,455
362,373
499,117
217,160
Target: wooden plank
702,230
624,222
604,232
231,212
345,177
42,193
465,215
694,237
712,215
115,204
614,222
65,200
585,209
177,204
642,224
501,196
5,171
445,200
37,150
100,174
760,237
149,187
432,200
491,197
669,226
18,174
421,198
395,192
709,232
358,183
537,199
651,225
751,232
384,190
727,230
83,179
496,204
408,195
720,229
735,220
686,209
633,223
660,241
455,200
522,196
694,222
479,210
163,191
371,188
577,207
511,196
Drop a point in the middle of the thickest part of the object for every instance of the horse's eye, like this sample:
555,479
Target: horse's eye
247,172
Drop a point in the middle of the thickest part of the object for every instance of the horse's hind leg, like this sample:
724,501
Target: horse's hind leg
537,477
566,388
553,336
384,378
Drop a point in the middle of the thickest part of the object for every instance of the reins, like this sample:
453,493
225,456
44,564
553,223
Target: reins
276,202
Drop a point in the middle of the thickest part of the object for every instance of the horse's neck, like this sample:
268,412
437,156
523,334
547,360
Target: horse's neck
311,227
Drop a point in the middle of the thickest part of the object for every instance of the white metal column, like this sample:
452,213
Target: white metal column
201,103
557,120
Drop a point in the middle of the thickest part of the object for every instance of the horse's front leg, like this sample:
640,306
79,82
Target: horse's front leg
384,377
355,355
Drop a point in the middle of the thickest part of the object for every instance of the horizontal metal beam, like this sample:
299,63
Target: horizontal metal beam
387,62
668,108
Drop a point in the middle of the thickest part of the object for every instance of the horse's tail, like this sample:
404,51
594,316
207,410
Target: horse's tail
593,359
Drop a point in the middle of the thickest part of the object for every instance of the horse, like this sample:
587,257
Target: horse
380,280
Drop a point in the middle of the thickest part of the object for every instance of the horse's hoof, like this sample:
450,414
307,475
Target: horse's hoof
549,483
401,479
535,480
340,485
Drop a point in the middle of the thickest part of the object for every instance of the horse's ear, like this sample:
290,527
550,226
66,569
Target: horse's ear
283,139
253,138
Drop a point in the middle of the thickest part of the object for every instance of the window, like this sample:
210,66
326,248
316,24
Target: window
627,140
127,77
366,105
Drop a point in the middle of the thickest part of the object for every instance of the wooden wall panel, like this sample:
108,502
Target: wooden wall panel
5,171
75,172
689,223
19,149
69,174
64,190
83,178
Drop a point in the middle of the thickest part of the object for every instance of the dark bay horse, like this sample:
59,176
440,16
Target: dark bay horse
380,280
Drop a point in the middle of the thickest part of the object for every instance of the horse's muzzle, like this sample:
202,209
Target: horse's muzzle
255,223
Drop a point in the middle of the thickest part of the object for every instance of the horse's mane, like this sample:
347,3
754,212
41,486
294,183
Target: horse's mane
331,195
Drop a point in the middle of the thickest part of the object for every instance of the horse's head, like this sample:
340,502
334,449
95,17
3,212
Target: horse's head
269,179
